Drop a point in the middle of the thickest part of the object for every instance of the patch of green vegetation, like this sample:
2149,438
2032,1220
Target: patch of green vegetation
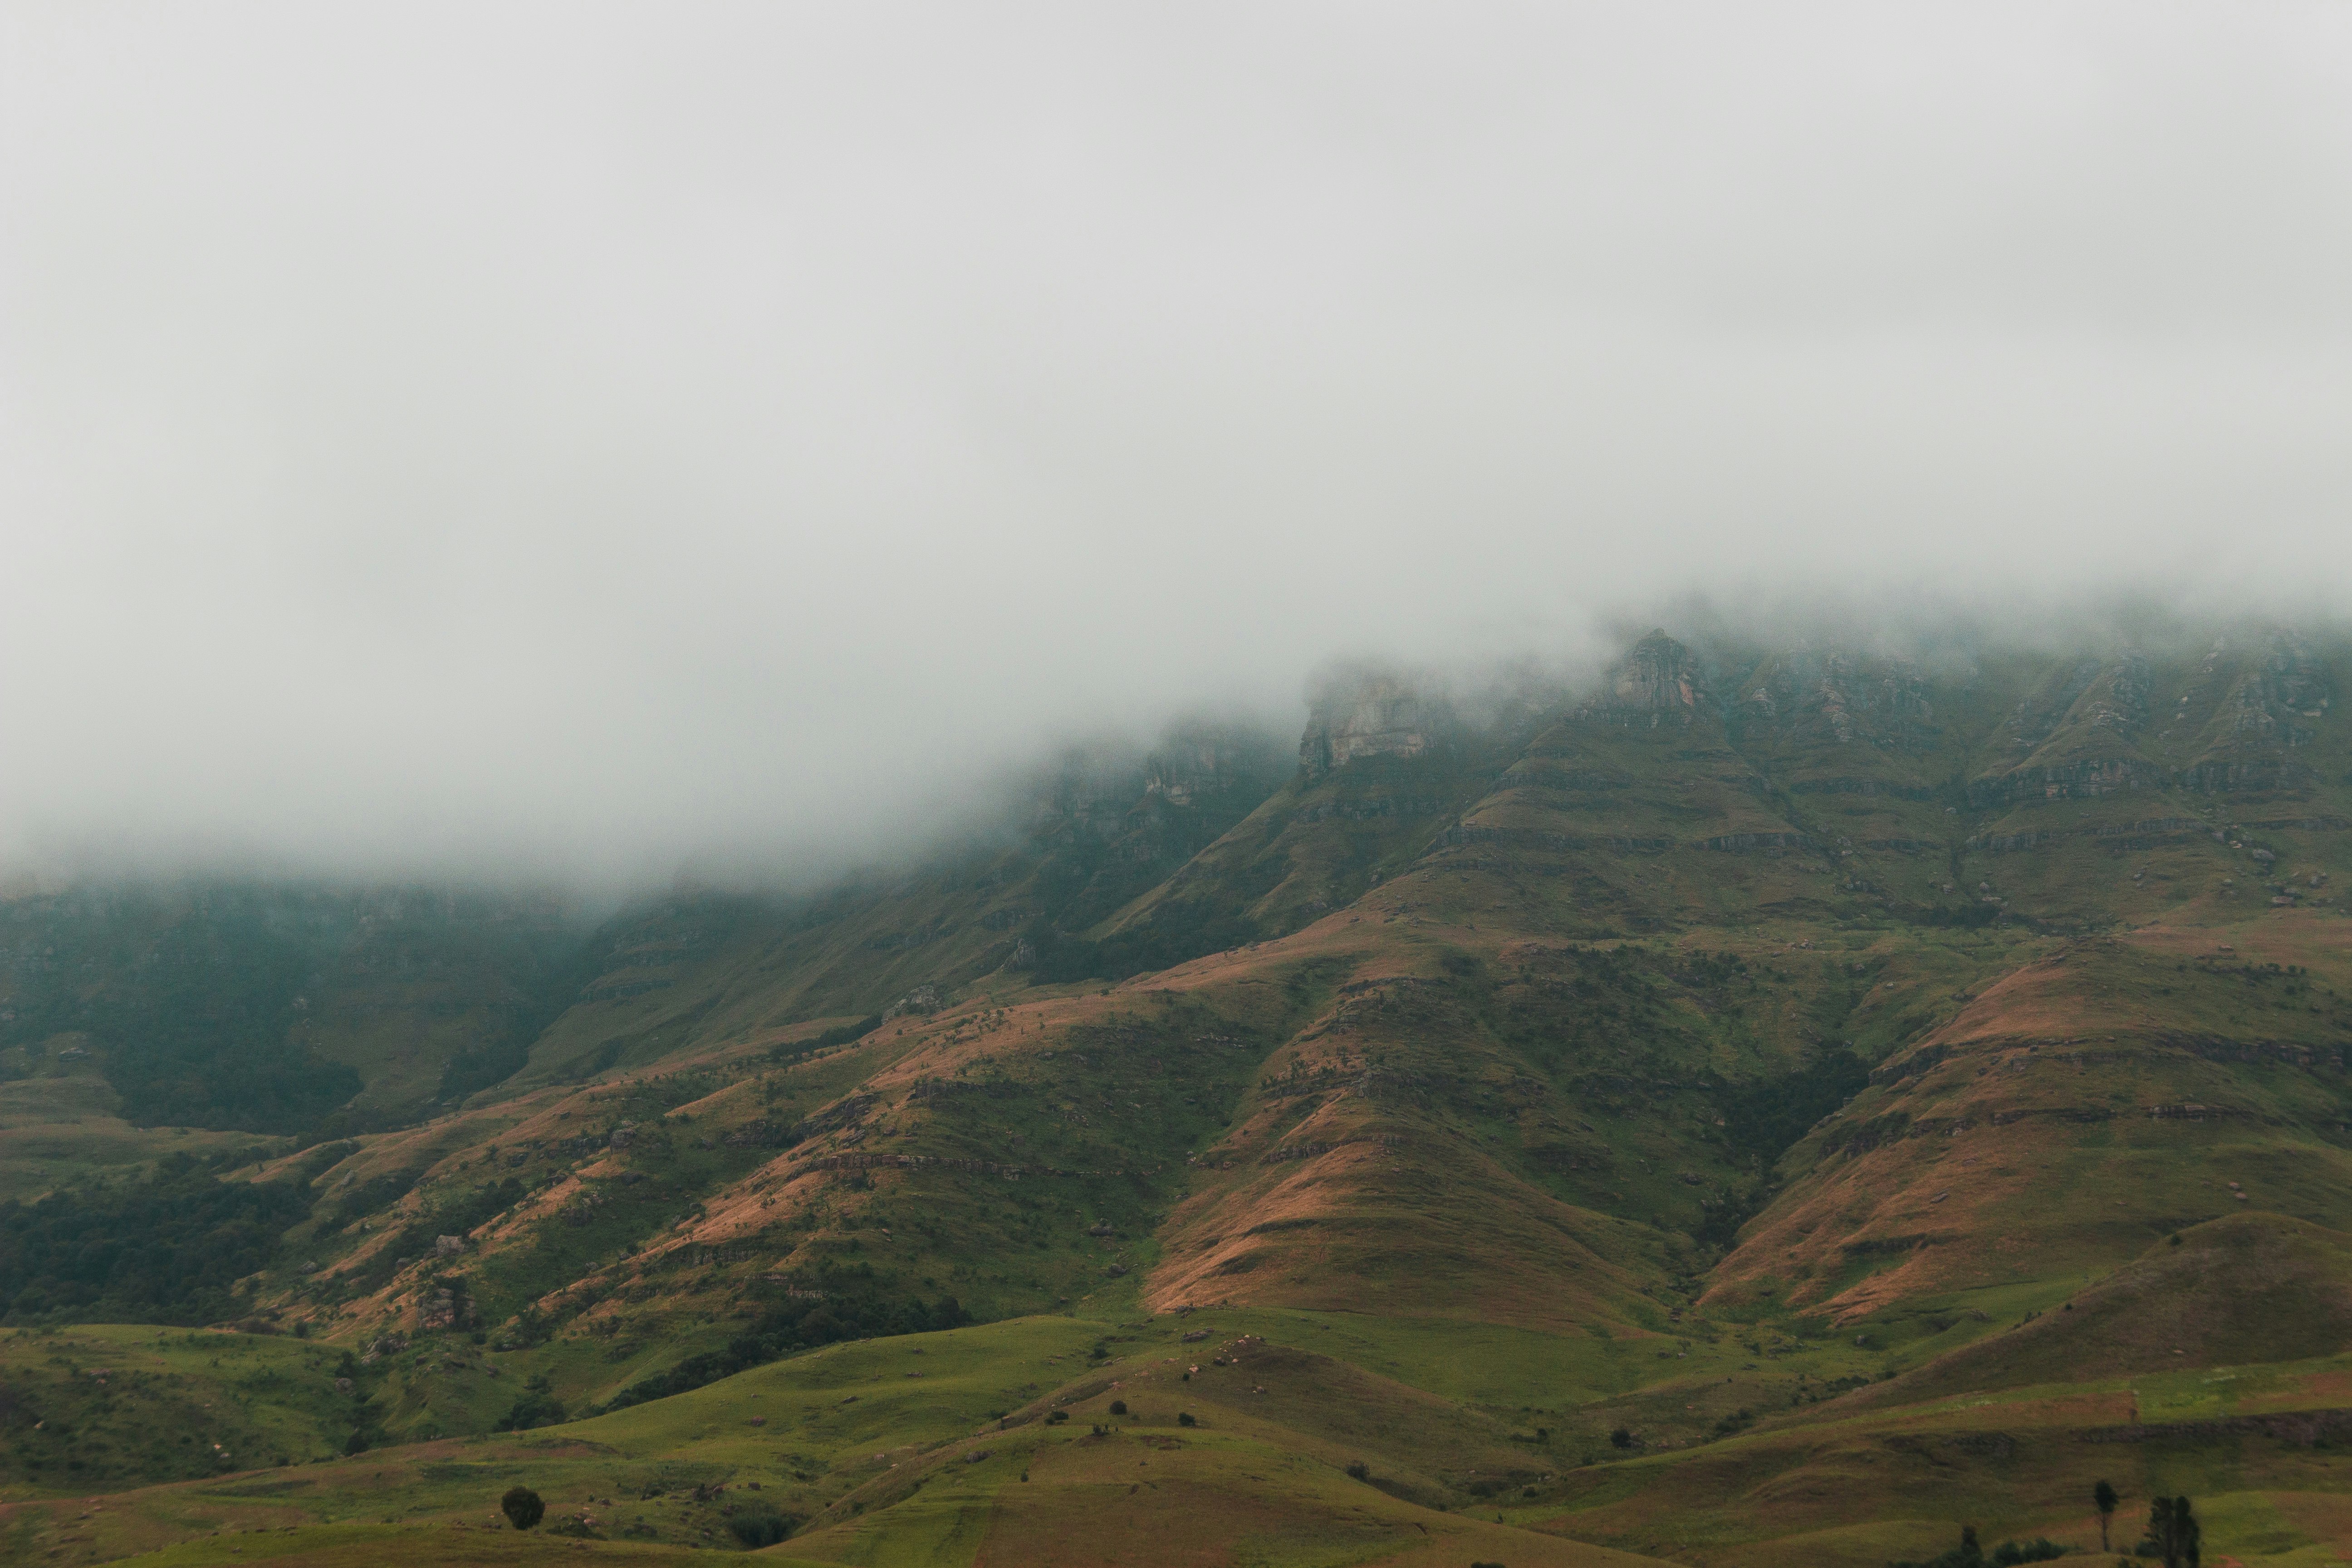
106,1407
170,1248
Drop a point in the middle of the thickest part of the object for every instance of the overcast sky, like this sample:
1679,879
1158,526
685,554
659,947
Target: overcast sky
581,434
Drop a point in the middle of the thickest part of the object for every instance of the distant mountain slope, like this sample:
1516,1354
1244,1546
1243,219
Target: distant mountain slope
1754,1026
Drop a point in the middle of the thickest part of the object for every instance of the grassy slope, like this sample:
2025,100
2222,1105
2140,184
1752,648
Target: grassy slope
2243,1289
102,1406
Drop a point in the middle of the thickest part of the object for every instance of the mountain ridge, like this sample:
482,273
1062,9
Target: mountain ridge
1801,996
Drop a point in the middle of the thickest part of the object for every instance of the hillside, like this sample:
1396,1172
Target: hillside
1739,1109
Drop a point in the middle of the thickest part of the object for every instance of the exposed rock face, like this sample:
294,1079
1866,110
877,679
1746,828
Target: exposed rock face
922,999
1656,685
445,1308
1371,715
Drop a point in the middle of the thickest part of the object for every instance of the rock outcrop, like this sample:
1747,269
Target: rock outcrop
1656,685
1371,714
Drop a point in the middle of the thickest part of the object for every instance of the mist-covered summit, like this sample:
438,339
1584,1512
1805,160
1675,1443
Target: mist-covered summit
1114,858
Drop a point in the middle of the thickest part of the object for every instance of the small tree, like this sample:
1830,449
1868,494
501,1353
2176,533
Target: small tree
1118,1408
522,1508
2173,1532
2103,1498
1621,1438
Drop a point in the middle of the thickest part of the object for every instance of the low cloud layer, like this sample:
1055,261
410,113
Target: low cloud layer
580,438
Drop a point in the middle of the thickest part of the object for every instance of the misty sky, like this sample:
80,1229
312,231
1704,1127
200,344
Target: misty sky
586,435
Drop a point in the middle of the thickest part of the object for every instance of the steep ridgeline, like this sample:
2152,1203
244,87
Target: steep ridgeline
1634,1037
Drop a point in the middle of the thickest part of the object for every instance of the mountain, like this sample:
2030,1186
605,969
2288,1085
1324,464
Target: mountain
1769,1102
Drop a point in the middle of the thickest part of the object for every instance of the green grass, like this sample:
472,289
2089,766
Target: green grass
173,1403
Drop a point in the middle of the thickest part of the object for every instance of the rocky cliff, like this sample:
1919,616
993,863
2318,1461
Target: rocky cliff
1366,713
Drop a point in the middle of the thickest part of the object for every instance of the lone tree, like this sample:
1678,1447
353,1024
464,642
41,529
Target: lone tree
2173,1532
1621,1438
522,1508
2103,1498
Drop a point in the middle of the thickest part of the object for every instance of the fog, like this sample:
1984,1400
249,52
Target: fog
575,439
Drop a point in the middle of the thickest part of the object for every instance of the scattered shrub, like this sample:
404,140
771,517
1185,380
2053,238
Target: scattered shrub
522,1507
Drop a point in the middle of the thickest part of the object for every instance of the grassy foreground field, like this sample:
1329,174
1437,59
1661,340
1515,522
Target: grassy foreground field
1000,1443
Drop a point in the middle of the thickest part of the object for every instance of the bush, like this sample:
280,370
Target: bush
1058,1418
1118,1408
1184,1418
1360,1471
522,1508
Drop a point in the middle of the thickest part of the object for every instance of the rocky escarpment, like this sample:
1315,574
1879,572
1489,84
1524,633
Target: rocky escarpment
1368,713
